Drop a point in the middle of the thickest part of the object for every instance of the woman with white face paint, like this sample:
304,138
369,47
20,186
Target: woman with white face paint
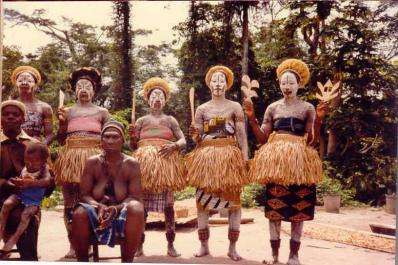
162,169
38,117
217,165
79,131
286,163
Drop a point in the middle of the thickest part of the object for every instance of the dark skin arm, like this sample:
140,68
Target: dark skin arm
48,125
63,125
261,133
321,109
134,132
43,182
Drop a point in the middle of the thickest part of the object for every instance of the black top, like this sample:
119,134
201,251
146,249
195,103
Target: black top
291,124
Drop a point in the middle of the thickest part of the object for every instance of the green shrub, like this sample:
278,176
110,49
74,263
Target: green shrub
53,201
250,195
187,193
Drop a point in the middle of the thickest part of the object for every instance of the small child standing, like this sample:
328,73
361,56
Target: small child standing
35,178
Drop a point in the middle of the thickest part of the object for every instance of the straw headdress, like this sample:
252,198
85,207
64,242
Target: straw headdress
156,82
219,68
25,68
296,66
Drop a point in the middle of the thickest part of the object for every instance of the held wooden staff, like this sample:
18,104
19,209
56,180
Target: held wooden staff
61,99
192,104
133,109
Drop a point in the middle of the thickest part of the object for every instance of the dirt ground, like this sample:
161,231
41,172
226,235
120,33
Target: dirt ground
253,244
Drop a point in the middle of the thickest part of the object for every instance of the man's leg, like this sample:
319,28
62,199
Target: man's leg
70,193
80,233
133,230
204,234
170,231
27,243
26,215
275,233
9,204
140,249
296,232
234,217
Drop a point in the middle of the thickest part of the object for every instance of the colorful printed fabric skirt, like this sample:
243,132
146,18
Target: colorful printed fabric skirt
157,202
293,203
217,201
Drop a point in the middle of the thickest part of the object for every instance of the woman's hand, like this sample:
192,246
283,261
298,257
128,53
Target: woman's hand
61,115
132,131
105,215
248,109
21,183
194,133
322,109
167,149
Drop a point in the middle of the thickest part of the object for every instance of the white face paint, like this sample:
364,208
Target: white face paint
289,85
26,83
84,90
157,99
218,84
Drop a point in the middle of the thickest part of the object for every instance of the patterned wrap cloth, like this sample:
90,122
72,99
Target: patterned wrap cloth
115,229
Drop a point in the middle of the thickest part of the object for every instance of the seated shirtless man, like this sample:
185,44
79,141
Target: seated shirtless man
110,199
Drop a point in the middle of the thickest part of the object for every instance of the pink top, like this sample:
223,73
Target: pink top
91,123
156,131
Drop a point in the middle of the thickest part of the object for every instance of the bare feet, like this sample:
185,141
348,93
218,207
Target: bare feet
271,262
140,251
293,260
71,254
171,251
234,255
4,254
11,242
203,251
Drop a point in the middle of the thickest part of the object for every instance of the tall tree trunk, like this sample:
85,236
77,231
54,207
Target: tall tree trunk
245,40
122,88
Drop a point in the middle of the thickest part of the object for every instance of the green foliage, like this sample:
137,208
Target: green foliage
187,193
54,200
329,186
250,194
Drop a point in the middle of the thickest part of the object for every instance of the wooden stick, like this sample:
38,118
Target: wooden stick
192,104
61,99
133,110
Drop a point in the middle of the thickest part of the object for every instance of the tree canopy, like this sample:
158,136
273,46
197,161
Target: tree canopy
353,42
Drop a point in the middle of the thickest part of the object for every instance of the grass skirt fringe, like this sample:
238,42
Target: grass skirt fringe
68,168
217,165
159,174
285,160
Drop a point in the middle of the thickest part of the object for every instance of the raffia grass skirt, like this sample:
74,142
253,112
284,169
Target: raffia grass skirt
160,174
217,165
68,168
285,160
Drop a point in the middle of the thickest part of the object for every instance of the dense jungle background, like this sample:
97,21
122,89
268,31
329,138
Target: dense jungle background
354,42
